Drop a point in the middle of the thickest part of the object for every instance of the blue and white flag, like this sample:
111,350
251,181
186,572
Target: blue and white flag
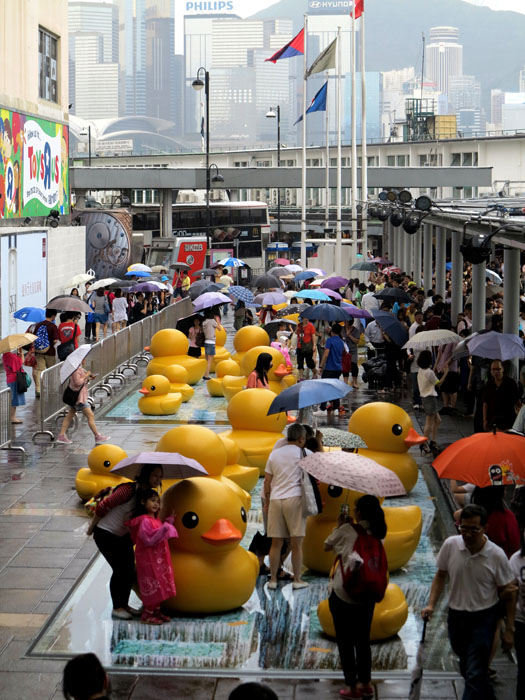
318,104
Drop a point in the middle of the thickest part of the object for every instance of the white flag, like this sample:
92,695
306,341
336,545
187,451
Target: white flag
324,61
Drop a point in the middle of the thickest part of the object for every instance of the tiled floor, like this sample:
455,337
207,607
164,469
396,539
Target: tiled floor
44,551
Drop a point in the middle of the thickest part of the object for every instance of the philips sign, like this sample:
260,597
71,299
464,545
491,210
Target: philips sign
329,7
207,6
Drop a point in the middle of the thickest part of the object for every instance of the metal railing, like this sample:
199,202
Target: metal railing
5,422
109,359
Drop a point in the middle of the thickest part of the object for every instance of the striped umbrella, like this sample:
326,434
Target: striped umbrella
241,293
231,262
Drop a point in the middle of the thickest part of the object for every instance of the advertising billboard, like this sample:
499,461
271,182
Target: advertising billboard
34,176
23,277
330,7
108,242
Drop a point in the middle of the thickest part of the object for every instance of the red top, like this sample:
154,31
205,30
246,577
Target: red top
65,332
305,333
254,382
12,364
503,530
117,498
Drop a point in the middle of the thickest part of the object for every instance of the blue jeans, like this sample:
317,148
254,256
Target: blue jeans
471,635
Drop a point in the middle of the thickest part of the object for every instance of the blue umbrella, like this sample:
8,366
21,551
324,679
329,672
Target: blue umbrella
241,293
305,275
30,314
497,346
231,262
448,266
391,326
308,393
325,312
137,273
315,294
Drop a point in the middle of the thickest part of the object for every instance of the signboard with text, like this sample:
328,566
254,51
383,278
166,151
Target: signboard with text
329,7
34,175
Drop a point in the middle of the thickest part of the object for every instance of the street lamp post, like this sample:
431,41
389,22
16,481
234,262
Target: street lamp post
198,84
272,114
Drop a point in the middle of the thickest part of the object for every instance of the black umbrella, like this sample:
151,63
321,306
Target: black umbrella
65,302
364,267
393,294
206,272
266,282
292,309
180,266
391,326
203,286
184,324
325,312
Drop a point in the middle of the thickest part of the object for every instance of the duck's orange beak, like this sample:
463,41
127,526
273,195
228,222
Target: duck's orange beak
281,371
222,532
144,391
414,438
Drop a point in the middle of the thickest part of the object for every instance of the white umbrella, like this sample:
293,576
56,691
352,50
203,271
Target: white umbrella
174,465
159,268
103,283
493,276
73,362
431,339
290,294
294,268
79,279
139,267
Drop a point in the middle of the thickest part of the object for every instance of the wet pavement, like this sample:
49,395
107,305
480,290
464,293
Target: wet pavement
47,564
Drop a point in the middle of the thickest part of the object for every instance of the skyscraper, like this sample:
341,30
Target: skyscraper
132,57
93,59
521,87
444,56
160,60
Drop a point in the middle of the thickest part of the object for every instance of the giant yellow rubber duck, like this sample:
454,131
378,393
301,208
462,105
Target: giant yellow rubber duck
389,615
170,347
205,446
254,432
226,368
389,434
96,476
212,572
245,477
156,397
247,338
404,526
177,375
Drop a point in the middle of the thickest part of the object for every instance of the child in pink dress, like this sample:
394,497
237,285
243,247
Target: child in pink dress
152,557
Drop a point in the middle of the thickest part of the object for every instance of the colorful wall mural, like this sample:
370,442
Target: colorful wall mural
34,176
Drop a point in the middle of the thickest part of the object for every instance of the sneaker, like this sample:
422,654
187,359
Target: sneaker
64,439
37,395
121,615
300,584
272,585
101,438
367,692
320,413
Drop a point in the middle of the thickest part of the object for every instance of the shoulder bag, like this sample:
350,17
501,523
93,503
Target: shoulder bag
312,503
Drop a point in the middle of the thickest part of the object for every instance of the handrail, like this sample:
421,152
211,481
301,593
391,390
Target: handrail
109,359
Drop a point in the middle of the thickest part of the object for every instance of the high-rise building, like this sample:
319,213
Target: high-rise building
132,57
513,111
160,61
464,92
497,100
444,56
93,59
521,87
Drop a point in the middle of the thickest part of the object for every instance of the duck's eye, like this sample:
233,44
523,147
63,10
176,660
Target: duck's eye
397,429
334,491
190,520
107,463
152,388
243,514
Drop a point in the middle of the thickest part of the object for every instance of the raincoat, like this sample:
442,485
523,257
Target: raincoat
153,559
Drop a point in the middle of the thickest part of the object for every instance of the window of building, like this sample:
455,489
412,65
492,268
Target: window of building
455,160
47,66
371,160
467,159
467,192
391,161
156,198
138,197
148,194
475,160
263,164
457,193
402,161
290,163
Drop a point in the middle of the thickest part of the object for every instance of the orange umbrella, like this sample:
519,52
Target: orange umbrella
484,459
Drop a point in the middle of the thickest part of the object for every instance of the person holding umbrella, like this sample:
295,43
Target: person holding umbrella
12,360
77,394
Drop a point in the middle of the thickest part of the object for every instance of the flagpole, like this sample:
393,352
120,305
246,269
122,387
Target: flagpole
327,181
303,170
354,146
364,154
203,147
338,262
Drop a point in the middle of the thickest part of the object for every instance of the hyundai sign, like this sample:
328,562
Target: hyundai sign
330,7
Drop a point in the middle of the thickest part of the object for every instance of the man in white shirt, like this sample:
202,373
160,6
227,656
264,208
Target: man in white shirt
418,321
368,301
479,575
283,499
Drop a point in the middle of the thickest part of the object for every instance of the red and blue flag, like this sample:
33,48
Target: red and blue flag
295,47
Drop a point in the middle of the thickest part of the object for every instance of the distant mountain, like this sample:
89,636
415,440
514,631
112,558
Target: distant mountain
493,42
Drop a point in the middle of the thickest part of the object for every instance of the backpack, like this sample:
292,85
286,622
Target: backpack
200,339
42,338
370,579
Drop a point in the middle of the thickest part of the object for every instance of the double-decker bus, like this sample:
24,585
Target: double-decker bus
239,229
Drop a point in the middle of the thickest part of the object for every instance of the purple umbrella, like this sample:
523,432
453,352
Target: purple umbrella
355,312
174,465
144,287
270,299
332,293
209,299
334,282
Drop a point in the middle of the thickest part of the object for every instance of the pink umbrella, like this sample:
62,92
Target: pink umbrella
174,465
281,261
389,270
334,282
317,270
331,293
353,471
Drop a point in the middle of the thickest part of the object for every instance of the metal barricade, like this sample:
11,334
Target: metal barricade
51,404
123,354
5,423
136,347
